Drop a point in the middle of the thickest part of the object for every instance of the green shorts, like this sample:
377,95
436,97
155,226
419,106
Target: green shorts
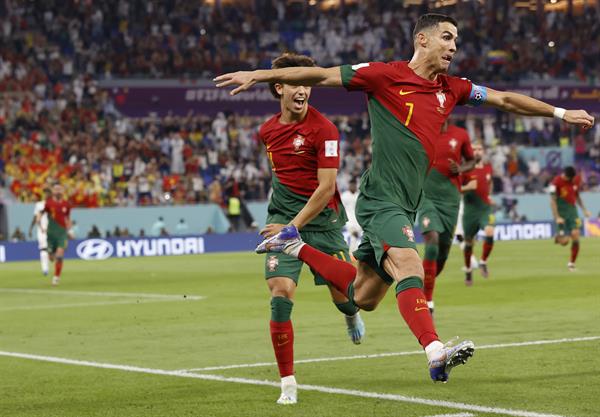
385,225
572,222
438,217
282,265
57,238
476,218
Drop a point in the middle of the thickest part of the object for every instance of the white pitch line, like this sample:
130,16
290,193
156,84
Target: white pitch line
99,303
454,415
102,294
318,388
383,355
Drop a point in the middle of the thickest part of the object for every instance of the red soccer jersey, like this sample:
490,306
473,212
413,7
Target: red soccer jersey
483,176
298,150
453,144
420,104
567,190
58,211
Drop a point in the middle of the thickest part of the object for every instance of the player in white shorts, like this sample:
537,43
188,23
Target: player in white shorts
40,220
352,227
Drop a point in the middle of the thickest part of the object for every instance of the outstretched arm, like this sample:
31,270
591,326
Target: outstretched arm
527,106
586,212
308,76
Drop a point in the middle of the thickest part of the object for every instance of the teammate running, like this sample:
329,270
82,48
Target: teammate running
40,220
564,191
408,103
59,222
303,147
439,211
478,214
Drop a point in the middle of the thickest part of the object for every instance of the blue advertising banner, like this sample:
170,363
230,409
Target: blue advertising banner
100,249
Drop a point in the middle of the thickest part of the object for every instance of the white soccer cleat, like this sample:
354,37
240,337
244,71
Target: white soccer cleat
289,391
474,262
356,328
571,267
55,281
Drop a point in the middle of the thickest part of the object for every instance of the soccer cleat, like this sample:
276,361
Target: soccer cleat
356,328
289,391
571,267
45,273
469,277
483,268
288,241
449,356
55,281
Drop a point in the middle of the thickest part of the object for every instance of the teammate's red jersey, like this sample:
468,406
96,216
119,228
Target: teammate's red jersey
567,190
58,211
483,176
453,144
298,150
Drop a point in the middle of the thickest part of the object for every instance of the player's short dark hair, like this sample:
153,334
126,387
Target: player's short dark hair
290,59
430,20
569,172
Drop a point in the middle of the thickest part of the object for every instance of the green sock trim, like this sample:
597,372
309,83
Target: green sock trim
281,309
407,283
431,252
489,240
348,308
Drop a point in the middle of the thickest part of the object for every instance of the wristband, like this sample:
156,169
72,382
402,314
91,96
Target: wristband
559,113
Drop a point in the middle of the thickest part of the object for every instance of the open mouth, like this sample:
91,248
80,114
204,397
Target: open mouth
299,102
447,58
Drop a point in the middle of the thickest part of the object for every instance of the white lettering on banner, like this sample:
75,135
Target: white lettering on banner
123,249
2,254
526,231
137,245
177,246
164,247
213,94
150,248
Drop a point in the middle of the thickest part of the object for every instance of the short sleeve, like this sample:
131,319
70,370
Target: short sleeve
461,88
327,143
367,77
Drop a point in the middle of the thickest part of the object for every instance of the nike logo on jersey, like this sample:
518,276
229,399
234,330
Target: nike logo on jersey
405,93
421,308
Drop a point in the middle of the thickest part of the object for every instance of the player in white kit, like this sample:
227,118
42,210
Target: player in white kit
352,227
40,220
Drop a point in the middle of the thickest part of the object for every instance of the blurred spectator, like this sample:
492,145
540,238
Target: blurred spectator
182,228
158,227
94,232
18,235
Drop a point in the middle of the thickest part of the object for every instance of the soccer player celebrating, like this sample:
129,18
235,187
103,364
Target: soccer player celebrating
564,191
408,102
439,211
477,213
303,147
59,222
40,220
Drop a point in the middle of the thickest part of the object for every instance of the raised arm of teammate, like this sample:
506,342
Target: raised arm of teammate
307,76
527,106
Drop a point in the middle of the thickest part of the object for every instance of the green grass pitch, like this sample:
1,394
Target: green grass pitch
136,347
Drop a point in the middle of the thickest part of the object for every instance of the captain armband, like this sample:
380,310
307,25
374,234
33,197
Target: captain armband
478,95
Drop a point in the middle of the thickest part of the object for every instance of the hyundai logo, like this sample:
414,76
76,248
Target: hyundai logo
94,249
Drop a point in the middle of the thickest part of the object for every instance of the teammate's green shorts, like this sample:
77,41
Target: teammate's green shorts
572,222
331,242
385,225
475,218
441,217
57,238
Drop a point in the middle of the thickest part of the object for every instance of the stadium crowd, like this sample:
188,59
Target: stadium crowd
161,39
56,123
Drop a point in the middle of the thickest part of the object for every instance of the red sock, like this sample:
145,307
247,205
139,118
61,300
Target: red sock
574,250
413,307
282,336
488,245
468,251
430,267
339,273
58,267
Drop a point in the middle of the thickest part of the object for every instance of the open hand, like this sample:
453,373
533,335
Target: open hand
271,230
244,79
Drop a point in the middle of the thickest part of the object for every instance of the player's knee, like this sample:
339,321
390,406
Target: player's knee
403,263
366,303
468,245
